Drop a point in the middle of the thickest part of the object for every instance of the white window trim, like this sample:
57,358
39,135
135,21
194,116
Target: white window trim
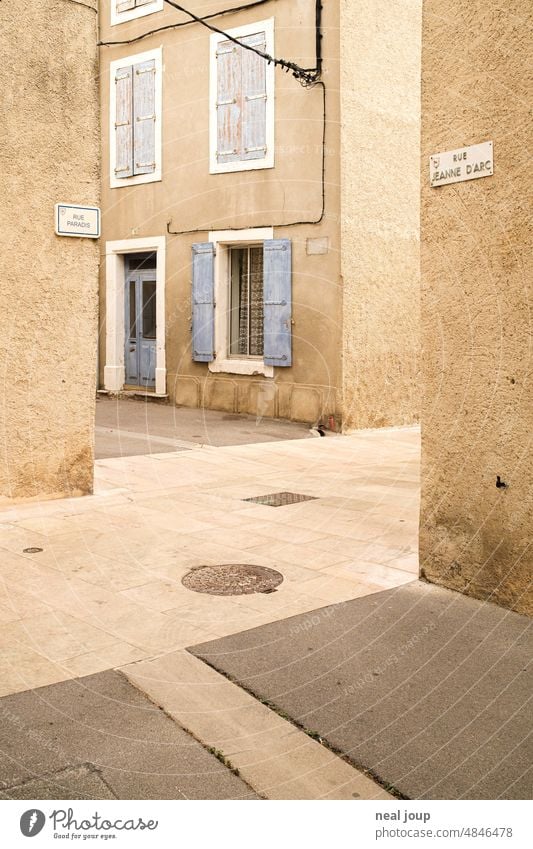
253,164
114,370
131,14
223,240
155,176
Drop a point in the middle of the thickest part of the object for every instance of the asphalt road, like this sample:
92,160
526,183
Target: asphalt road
127,426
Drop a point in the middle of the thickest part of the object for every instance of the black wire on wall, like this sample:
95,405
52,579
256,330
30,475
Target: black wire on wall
317,220
308,77
184,23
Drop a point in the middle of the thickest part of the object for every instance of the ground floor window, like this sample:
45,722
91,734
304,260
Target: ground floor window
242,302
246,301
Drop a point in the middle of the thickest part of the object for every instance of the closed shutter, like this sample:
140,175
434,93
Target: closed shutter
144,117
123,123
203,306
229,97
124,5
278,302
254,102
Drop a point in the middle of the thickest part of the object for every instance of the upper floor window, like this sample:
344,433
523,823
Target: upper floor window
135,119
242,100
126,10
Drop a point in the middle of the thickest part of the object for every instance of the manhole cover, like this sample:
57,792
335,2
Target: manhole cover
232,579
280,499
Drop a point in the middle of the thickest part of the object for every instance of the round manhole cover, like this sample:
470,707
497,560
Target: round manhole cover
232,579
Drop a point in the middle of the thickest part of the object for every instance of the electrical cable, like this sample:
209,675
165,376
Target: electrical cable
183,24
269,224
304,75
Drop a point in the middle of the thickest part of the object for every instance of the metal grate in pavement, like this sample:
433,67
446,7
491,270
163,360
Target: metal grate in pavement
280,499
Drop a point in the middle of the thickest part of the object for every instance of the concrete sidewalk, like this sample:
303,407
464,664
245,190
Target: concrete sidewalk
427,689
100,738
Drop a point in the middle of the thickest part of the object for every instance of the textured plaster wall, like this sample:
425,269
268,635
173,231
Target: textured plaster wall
192,197
380,137
476,305
48,320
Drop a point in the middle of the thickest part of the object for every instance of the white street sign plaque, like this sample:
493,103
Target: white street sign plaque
465,163
73,220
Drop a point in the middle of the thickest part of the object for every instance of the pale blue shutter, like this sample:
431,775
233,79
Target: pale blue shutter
254,99
144,117
277,302
123,123
229,105
203,302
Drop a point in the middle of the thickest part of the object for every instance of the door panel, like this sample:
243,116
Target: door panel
141,329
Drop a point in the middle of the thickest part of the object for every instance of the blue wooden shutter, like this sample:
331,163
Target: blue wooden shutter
144,117
278,302
229,102
254,99
123,123
203,302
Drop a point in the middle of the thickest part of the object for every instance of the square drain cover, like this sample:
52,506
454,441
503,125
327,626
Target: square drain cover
280,499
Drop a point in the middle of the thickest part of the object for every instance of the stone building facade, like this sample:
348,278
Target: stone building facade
477,463
231,189
49,320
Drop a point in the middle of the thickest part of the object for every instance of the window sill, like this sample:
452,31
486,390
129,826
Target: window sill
247,367
241,165
138,12
138,180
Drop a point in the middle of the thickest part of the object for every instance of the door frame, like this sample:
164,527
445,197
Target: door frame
115,276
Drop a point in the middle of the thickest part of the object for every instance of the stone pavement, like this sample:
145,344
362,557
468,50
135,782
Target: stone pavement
427,689
106,591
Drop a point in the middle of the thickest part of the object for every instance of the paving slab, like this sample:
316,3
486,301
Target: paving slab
99,737
428,690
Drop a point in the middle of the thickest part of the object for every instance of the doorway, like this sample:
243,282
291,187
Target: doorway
140,320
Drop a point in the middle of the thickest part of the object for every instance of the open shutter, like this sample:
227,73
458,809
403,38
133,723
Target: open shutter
203,302
254,101
144,117
123,123
229,97
277,302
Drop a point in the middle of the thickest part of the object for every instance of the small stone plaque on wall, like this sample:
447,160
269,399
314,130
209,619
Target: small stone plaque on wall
317,246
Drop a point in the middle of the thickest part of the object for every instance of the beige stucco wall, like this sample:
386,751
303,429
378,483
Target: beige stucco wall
380,136
192,197
48,321
476,305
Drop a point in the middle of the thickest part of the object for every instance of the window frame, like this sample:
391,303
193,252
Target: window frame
136,12
268,161
223,241
156,175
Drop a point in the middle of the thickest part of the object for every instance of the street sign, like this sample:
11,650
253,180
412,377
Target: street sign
465,163
73,220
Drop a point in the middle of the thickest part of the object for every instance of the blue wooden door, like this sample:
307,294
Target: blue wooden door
141,329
